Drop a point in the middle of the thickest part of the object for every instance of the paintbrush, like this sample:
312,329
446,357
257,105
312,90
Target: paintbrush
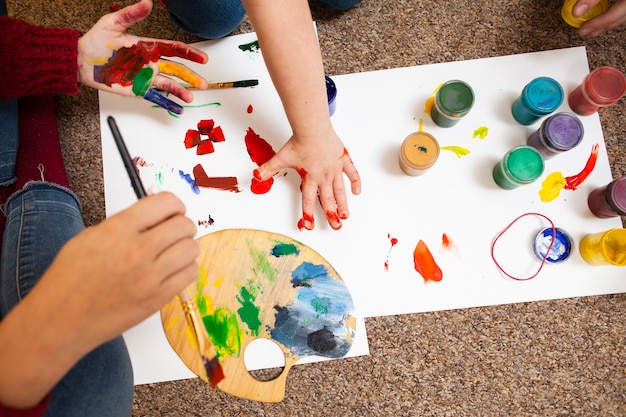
213,368
225,84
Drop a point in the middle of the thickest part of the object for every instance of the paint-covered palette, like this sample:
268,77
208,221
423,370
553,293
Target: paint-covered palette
256,284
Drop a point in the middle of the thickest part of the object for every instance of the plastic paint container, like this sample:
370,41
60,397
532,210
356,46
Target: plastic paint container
418,152
600,88
453,100
604,248
558,133
568,8
540,97
610,200
561,248
331,92
519,166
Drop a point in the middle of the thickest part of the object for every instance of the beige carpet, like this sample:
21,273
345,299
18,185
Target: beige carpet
563,357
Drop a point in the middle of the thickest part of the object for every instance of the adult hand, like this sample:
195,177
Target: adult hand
612,18
110,59
102,282
321,163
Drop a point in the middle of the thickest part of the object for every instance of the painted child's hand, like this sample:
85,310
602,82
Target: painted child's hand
612,18
110,59
321,162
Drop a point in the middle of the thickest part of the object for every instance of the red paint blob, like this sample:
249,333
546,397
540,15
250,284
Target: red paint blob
205,126
250,109
192,138
573,182
216,134
425,264
261,187
205,147
393,242
259,150
220,183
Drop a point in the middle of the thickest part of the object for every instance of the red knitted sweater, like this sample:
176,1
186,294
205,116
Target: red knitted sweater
37,60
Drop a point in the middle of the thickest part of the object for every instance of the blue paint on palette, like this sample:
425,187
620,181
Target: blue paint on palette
315,322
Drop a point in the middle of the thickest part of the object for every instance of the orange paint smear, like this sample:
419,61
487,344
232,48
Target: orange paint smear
393,241
573,182
425,264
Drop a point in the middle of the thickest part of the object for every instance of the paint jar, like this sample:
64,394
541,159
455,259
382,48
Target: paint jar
568,16
453,100
519,166
418,152
610,200
604,248
558,133
561,248
331,93
540,97
600,88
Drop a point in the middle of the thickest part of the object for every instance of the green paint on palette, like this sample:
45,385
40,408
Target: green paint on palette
223,328
321,305
284,249
262,264
249,312
142,81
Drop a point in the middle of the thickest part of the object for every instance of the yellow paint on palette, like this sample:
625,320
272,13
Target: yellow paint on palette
171,323
218,282
551,187
458,150
481,132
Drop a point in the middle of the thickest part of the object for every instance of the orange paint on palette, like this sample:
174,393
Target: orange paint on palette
425,264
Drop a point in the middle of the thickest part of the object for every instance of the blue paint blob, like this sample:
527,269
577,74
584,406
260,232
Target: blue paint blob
315,322
561,249
539,97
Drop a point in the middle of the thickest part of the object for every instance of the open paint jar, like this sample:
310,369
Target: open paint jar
604,248
419,151
558,133
453,100
331,93
519,166
539,98
610,200
568,15
600,88
561,247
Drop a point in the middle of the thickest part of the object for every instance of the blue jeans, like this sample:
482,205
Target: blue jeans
214,19
40,218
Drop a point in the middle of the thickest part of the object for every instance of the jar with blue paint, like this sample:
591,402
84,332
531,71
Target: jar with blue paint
453,100
331,93
557,134
553,245
519,166
540,97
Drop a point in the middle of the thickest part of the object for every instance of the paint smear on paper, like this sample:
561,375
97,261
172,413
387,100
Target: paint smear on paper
250,109
459,151
393,242
553,184
205,223
448,244
430,101
481,132
425,264
260,152
189,180
314,323
217,183
250,47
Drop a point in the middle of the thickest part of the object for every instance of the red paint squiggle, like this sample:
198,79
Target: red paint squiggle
573,182
393,241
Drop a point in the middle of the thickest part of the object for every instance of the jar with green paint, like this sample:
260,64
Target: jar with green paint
453,101
519,166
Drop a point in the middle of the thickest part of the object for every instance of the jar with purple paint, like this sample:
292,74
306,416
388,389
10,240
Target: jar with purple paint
610,200
557,134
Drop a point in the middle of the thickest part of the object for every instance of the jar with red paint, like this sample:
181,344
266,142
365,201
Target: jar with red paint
610,200
600,88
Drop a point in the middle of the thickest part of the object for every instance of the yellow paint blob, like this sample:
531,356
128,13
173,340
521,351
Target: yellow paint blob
481,132
421,125
458,150
551,187
428,106
179,71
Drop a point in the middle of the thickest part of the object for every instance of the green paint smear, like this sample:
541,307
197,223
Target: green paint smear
223,328
249,313
250,47
458,150
200,299
195,106
284,249
321,305
141,81
262,263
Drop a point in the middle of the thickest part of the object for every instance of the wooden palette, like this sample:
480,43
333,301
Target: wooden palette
256,284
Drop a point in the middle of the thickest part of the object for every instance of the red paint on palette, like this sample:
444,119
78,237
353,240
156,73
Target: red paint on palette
425,264
220,183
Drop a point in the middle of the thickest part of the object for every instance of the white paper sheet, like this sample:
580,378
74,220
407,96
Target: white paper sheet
375,112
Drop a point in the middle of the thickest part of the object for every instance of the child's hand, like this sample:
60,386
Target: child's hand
612,18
